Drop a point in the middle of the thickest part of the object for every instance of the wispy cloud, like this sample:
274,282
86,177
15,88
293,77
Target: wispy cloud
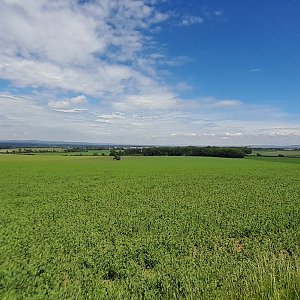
233,134
255,70
218,13
227,103
213,103
191,20
76,101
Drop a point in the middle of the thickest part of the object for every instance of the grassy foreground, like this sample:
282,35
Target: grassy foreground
149,228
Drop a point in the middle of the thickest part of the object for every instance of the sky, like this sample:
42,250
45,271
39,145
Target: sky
153,72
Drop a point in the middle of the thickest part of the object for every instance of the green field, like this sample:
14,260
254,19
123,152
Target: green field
149,228
55,150
88,152
268,152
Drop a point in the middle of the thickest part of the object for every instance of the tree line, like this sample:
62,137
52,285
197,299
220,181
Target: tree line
184,151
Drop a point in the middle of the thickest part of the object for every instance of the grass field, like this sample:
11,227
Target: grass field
149,228
268,152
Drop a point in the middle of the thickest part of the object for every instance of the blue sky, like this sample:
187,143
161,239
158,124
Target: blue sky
151,72
250,51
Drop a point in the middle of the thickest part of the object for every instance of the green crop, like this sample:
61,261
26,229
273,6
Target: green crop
149,228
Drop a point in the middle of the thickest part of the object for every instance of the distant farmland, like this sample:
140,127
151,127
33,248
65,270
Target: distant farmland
84,227
271,152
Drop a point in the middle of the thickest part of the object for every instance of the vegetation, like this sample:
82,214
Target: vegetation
149,228
278,152
189,151
235,152
49,150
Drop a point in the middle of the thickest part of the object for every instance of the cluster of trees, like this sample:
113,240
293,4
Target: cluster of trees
114,152
30,151
76,149
42,150
49,150
279,155
186,151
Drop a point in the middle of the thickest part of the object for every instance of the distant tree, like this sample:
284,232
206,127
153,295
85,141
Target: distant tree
247,150
133,151
112,152
280,155
258,154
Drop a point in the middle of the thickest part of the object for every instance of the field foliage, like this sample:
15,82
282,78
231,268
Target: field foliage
149,228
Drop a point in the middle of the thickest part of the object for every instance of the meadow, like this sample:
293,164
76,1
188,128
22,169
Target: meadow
270,152
77,227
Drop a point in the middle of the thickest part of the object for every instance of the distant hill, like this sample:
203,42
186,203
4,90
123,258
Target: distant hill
36,143
8,144
274,146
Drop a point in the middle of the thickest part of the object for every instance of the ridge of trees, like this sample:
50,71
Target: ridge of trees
185,151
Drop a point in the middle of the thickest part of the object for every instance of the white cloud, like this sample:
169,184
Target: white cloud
59,104
70,110
284,133
164,127
49,30
188,134
191,20
183,87
81,100
227,103
93,48
218,13
76,101
213,103
255,70
155,100
233,134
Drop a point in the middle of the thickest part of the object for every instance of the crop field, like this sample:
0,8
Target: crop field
77,227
